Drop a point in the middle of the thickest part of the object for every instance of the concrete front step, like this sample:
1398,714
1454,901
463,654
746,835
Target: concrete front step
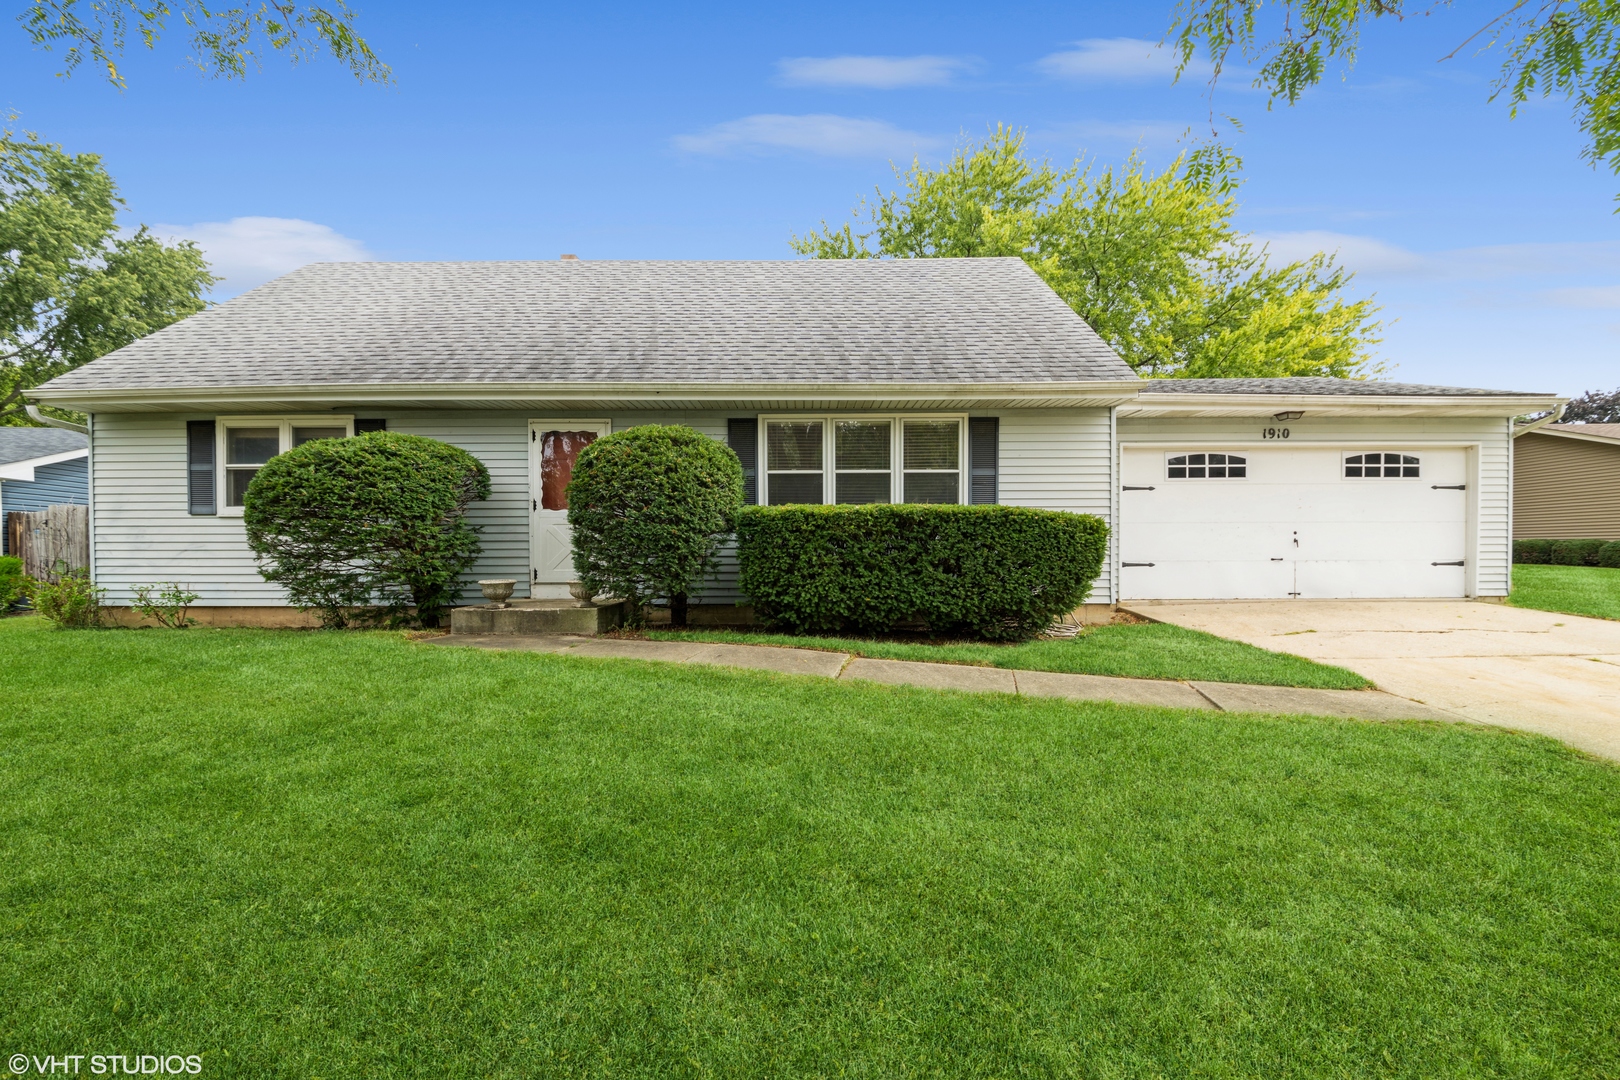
539,617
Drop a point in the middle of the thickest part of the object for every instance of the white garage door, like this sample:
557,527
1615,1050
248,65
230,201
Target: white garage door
1378,522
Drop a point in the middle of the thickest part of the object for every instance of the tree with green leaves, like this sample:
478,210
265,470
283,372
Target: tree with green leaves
1569,48
224,41
1152,261
73,286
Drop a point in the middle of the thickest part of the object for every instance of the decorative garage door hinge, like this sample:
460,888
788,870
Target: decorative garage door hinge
1459,562
1128,487
1449,487
1136,564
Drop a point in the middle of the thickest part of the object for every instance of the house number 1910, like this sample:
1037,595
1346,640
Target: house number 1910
1274,433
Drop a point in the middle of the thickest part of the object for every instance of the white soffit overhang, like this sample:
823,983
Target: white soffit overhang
1266,405
600,396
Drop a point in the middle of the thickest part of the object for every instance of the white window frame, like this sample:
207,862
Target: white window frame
286,423
829,448
1170,455
1344,463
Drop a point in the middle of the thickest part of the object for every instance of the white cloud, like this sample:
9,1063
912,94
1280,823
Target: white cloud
831,136
872,72
249,251
1363,254
1594,296
1117,60
1498,262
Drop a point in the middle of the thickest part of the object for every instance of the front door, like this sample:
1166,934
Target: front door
554,445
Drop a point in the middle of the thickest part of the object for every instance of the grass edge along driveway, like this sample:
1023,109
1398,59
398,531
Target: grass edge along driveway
1127,650
325,854
1569,590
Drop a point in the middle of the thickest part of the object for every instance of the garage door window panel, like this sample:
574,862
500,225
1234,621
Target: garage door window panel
1382,465
1210,465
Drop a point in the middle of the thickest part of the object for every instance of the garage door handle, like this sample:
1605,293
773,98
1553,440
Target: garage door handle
1459,562
1136,564
1449,487
1128,487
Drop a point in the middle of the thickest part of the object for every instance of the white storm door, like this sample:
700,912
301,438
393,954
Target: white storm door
554,445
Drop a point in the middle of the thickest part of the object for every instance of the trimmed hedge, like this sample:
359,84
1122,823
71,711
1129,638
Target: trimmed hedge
367,528
649,507
1609,555
996,572
1532,551
1576,552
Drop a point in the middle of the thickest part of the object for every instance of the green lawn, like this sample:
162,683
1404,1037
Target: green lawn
344,855
1576,590
1132,650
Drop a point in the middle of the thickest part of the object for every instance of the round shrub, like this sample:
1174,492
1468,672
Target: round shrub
1576,552
995,572
1534,552
1609,555
649,506
368,527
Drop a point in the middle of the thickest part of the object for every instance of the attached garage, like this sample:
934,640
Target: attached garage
1279,522
1315,489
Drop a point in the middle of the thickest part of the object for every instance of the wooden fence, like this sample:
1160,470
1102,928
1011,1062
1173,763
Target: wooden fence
44,538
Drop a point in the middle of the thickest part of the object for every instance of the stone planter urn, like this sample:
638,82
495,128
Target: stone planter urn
498,590
578,591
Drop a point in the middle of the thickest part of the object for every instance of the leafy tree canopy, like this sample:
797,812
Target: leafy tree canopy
1569,48
1152,261
224,41
1593,407
72,288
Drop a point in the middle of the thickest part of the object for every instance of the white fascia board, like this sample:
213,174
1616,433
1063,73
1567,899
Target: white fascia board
24,470
1098,392
1160,405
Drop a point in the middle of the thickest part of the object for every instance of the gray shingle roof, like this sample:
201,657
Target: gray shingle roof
1327,387
862,321
25,443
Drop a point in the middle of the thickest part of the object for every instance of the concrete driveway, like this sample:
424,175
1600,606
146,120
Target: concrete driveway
1534,670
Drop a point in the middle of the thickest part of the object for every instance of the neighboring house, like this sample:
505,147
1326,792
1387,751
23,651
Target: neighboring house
41,467
1566,483
961,380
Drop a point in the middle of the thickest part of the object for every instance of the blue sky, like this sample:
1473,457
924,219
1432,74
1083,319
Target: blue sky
716,131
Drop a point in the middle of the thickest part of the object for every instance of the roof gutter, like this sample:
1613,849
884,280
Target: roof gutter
1550,418
50,421
1112,391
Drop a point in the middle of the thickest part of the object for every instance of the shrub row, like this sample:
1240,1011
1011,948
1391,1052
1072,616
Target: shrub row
998,572
1568,552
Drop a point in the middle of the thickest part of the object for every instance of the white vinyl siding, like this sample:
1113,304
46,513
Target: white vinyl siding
1486,440
1057,459
1061,459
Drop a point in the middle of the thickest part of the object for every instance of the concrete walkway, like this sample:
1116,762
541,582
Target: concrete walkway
1538,671
1232,697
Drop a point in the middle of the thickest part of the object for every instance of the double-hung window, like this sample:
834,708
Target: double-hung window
246,443
863,459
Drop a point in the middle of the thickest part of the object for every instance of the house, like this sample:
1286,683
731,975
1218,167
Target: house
959,380
1566,483
41,467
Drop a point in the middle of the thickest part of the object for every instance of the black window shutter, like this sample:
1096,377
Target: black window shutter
742,435
200,466
363,426
984,451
